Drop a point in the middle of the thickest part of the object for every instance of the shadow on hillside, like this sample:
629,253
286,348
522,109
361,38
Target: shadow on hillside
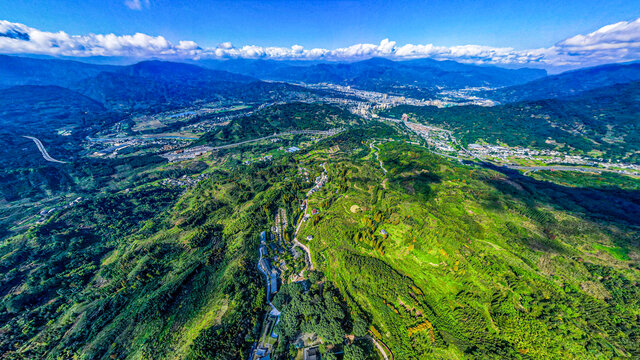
614,205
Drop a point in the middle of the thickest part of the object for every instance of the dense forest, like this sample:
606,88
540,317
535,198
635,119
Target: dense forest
108,277
281,118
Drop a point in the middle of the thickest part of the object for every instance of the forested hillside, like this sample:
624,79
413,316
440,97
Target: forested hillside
434,259
281,118
145,273
568,83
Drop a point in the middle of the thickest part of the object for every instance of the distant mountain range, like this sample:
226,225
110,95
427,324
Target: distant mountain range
416,78
159,85
15,70
423,78
146,86
420,78
568,83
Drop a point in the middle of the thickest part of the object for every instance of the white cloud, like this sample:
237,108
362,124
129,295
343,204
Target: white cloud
187,45
612,43
623,34
136,4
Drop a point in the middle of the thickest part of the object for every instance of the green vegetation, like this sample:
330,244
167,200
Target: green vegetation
281,118
321,310
604,120
476,263
604,180
145,272
433,259
617,252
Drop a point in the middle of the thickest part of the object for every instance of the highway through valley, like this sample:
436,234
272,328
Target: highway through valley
43,151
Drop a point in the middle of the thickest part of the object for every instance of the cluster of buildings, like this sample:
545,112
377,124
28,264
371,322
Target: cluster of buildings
264,158
627,169
443,140
262,349
382,99
437,138
466,96
110,146
189,153
320,181
184,180
504,152
365,103
46,212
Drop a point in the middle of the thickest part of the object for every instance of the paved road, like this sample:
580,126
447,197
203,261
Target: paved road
298,243
188,153
306,249
380,347
295,235
378,157
43,151
559,168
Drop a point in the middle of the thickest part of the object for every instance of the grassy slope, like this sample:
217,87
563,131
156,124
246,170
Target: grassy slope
474,265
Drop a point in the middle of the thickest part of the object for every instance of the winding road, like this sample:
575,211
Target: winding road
306,249
43,151
295,235
381,348
378,156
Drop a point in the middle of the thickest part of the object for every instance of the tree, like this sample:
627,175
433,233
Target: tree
354,352
359,327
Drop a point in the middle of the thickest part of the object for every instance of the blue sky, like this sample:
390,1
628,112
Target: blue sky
535,32
329,23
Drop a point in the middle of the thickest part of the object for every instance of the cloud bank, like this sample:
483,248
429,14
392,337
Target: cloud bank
612,43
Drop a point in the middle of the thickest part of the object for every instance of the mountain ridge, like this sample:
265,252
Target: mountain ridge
569,83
